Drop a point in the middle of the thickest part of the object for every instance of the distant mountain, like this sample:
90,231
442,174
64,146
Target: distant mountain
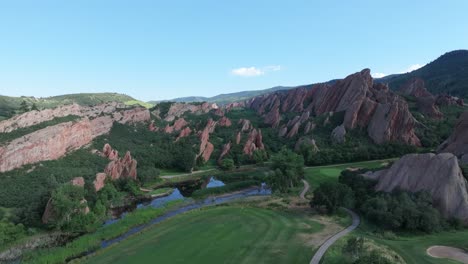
448,74
10,106
227,98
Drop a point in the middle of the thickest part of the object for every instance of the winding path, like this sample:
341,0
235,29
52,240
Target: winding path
324,247
305,190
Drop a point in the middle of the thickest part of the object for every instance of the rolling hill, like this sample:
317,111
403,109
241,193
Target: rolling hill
448,74
9,105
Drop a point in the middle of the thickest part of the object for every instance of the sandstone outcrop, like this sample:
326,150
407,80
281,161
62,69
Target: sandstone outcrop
35,117
184,133
78,181
53,142
440,175
457,143
125,167
238,138
225,151
254,142
99,181
364,103
245,125
339,134
224,122
109,152
178,109
425,101
206,148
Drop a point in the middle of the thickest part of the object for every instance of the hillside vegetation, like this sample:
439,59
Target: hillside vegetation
10,106
446,75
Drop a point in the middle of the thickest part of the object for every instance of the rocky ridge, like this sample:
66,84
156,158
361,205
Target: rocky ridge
53,142
364,103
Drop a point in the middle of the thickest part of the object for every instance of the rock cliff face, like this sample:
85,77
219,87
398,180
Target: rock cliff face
206,148
425,101
364,103
457,143
178,109
440,175
254,142
125,167
35,117
55,141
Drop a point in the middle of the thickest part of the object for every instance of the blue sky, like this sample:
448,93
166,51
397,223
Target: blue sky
165,49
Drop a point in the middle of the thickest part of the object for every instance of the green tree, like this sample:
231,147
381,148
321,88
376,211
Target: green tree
332,196
24,106
354,247
289,170
227,164
67,203
34,107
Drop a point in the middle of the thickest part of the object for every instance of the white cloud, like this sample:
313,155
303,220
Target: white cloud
379,75
253,71
413,68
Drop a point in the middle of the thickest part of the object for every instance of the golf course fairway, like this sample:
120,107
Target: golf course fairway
223,234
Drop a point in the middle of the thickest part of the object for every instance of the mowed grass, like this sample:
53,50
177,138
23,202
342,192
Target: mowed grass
224,234
330,173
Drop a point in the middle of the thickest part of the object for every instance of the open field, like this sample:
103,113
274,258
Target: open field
329,173
225,234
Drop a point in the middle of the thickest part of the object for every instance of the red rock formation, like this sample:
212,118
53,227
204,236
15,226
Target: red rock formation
294,130
78,181
425,101
224,122
99,182
254,142
35,117
53,142
219,112
153,127
206,154
225,151
110,153
238,138
365,104
206,148
168,129
125,167
283,131
414,87
184,133
178,109
457,143
246,125
179,124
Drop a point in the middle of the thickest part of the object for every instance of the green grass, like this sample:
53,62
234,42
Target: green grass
330,173
161,191
224,234
138,102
